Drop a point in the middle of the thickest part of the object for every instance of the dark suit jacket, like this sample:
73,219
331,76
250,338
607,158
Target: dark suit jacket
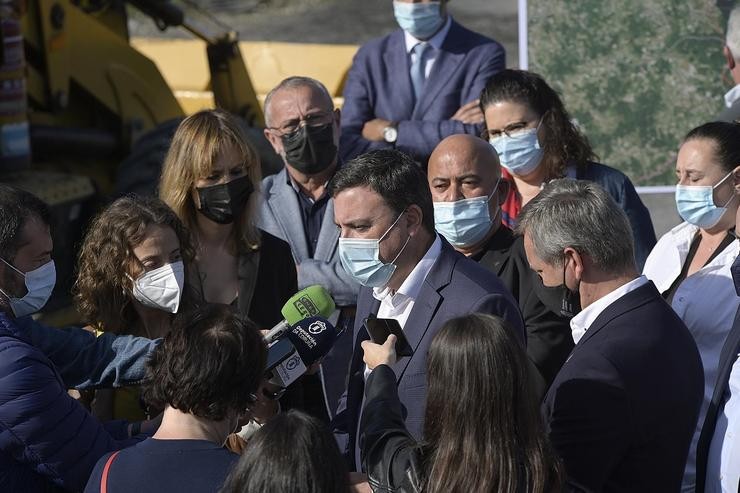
549,338
455,286
727,358
623,409
379,86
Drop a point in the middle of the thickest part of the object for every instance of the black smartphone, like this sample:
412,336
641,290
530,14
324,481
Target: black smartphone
379,330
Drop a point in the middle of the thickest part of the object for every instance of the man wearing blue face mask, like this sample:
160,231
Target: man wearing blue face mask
412,88
387,242
47,439
464,176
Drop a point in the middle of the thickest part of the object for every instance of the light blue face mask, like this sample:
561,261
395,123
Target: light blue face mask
421,20
361,259
695,204
520,154
464,222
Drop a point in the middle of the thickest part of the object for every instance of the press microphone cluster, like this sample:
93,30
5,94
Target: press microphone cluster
313,301
302,345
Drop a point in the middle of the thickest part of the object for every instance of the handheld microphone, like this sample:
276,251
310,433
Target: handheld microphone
304,344
308,302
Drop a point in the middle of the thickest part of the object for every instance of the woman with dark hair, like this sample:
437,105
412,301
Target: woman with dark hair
204,375
691,263
131,280
482,426
292,452
536,140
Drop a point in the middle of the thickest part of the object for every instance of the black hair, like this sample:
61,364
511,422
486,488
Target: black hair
563,143
208,365
16,207
292,452
393,175
726,138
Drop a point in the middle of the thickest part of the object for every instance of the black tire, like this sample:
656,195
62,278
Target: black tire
139,172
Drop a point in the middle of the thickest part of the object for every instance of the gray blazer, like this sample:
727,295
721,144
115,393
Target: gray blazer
730,114
280,215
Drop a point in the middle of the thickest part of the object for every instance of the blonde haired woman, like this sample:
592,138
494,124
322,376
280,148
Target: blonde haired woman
210,179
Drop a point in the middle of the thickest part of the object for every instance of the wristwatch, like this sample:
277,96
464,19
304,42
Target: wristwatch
390,133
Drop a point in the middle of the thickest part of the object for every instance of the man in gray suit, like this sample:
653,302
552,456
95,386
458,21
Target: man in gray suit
303,128
732,55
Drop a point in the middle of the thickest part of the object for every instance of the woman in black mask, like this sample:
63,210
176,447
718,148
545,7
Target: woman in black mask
211,179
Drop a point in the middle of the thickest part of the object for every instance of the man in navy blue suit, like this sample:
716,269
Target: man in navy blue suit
622,410
409,273
414,87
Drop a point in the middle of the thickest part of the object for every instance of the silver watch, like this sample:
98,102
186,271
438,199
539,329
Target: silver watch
390,134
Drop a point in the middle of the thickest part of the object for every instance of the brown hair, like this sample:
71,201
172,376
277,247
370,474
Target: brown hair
482,429
563,143
197,143
208,365
103,289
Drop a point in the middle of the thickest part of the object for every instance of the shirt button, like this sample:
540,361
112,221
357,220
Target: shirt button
681,299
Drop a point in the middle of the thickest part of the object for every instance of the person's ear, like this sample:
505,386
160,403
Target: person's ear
503,191
414,219
274,140
736,179
729,58
575,261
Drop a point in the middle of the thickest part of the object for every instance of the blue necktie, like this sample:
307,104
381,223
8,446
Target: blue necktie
417,68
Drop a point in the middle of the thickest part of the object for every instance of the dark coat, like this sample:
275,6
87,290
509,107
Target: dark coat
622,411
549,339
48,441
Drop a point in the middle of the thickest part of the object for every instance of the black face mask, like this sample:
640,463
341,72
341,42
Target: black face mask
560,299
310,150
225,202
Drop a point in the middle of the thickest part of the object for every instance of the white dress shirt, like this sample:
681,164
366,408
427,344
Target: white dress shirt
723,463
706,301
586,317
435,42
732,96
398,306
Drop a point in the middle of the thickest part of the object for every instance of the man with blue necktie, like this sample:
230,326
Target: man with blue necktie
414,87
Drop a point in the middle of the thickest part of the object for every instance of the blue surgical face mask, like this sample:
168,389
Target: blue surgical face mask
464,222
695,204
39,285
421,20
361,259
520,154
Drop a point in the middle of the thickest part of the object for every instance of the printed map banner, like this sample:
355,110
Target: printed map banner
637,75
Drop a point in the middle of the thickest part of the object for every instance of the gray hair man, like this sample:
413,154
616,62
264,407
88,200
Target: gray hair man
731,51
622,410
303,129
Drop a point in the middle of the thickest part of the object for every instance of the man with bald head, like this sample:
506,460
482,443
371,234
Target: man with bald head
303,128
464,176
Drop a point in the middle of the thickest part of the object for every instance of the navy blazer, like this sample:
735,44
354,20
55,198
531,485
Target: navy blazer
727,358
379,86
622,411
455,286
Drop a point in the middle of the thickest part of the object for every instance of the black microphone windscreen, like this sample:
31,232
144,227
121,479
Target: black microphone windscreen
312,337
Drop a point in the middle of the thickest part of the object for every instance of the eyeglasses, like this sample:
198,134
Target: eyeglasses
512,130
271,395
312,120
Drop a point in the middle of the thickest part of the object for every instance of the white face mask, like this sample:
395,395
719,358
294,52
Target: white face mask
161,288
39,284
